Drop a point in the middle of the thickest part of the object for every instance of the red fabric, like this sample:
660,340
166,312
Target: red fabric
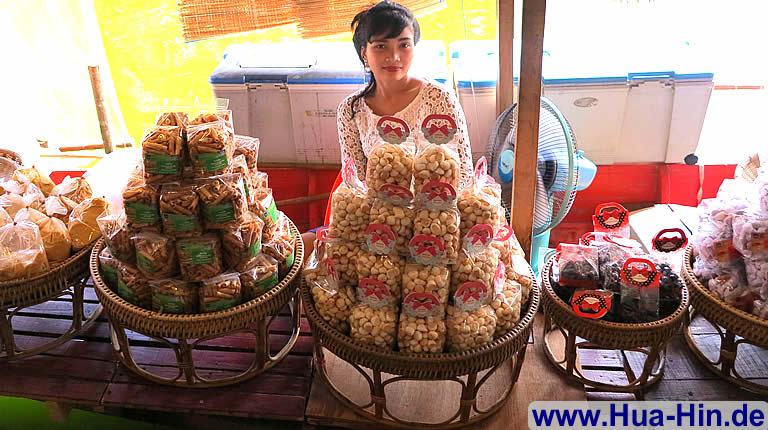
328,206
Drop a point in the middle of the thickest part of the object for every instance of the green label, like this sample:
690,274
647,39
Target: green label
126,293
198,253
213,161
144,263
219,214
160,164
181,223
142,213
272,211
169,304
255,249
109,274
289,261
219,305
265,284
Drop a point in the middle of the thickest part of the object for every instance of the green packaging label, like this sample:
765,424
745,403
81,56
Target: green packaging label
219,214
110,275
255,249
126,293
181,223
266,284
142,213
219,305
213,161
159,164
169,304
198,253
144,263
272,211
289,261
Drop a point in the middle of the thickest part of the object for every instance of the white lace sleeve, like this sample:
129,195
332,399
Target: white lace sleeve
438,100
349,136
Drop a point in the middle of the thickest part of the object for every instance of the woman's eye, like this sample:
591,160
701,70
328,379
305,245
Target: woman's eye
405,45
379,46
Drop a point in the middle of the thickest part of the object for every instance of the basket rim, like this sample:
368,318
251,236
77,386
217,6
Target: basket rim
669,320
112,299
699,289
385,356
52,271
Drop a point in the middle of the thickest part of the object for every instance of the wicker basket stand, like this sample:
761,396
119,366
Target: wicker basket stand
375,372
184,333
64,280
565,334
735,328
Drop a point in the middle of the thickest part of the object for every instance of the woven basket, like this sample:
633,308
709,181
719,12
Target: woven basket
422,366
39,288
711,307
610,335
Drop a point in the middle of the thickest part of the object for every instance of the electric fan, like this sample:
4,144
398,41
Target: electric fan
562,170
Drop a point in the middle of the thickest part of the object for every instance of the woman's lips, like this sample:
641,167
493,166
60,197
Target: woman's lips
392,69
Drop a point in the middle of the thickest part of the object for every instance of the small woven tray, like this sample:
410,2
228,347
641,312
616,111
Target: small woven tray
29,291
743,324
423,366
610,335
196,326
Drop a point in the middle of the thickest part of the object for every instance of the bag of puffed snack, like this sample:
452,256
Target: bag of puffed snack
248,147
180,210
389,171
436,167
332,302
22,252
220,292
83,227
117,235
350,206
282,247
132,286
223,199
211,148
156,255
161,149
174,296
242,244
141,202
480,206
53,231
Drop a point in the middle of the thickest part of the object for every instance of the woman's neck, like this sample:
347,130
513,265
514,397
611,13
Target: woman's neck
392,89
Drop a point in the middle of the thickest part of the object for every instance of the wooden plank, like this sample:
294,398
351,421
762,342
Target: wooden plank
61,367
526,147
505,88
603,396
595,359
751,361
56,308
697,389
69,390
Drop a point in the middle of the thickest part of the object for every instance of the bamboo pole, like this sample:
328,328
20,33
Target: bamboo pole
527,145
505,88
101,111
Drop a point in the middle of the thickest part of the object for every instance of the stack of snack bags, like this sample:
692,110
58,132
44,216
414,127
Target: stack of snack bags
196,233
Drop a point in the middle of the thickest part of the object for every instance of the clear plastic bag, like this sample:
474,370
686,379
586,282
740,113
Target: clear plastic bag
242,244
174,296
142,209
23,253
156,255
199,257
32,175
34,198
435,280
222,115
211,148
750,235
714,245
261,278
374,326
668,247
75,189
439,228
469,328
282,247
380,272
58,245
422,326
266,209
332,302
133,287
436,165
476,271
639,291
344,255
83,227
248,147
578,265
611,218
224,202
110,267
118,236
180,210
760,308
350,207
387,223
762,191
239,166
506,304
161,149
480,207
220,292
389,171
757,272
170,119
59,207
507,244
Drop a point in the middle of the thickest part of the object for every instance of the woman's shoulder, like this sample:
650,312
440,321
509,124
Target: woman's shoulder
352,102
436,93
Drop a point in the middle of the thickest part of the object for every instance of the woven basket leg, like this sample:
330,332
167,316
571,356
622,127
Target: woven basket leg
570,352
262,343
728,352
77,305
184,361
468,397
6,335
377,395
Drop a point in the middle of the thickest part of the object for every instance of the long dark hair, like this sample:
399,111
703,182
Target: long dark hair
385,19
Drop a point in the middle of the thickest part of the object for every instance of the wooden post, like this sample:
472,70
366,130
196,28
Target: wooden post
527,145
101,111
505,89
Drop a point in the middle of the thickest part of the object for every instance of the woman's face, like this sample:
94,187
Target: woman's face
390,59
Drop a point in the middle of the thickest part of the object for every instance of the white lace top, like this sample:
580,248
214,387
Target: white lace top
358,134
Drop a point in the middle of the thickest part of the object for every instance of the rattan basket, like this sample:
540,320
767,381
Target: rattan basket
62,279
734,326
404,367
649,338
183,333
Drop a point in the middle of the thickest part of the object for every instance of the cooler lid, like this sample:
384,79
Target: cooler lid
326,76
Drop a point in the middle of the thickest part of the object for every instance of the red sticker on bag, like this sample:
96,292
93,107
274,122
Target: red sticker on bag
640,272
610,216
471,295
396,194
504,233
592,304
438,129
478,238
438,194
374,293
380,239
422,305
393,130
670,240
427,249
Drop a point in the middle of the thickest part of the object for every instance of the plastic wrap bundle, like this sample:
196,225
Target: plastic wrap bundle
389,171
750,235
350,207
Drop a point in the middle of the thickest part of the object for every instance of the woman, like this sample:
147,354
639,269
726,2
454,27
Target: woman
384,38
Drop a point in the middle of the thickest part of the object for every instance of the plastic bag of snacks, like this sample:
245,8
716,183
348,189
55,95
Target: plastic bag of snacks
155,255
520,272
373,320
479,206
389,224
179,119
34,198
223,198
220,292
730,287
132,286
242,244
59,207
261,181
757,272
32,175
475,269
211,147
612,252
714,246
506,304
23,251
161,149
259,279
179,210
578,265
668,247
750,235
54,233
75,189
436,236
12,203
110,267
83,227
389,171
350,207
344,255
422,326
223,115
282,246
248,147
670,290
762,189
332,302
611,218
469,327
114,228
639,291
174,296
199,257
436,172
141,205
381,272
266,209
4,217
507,244
427,279
240,167
760,308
